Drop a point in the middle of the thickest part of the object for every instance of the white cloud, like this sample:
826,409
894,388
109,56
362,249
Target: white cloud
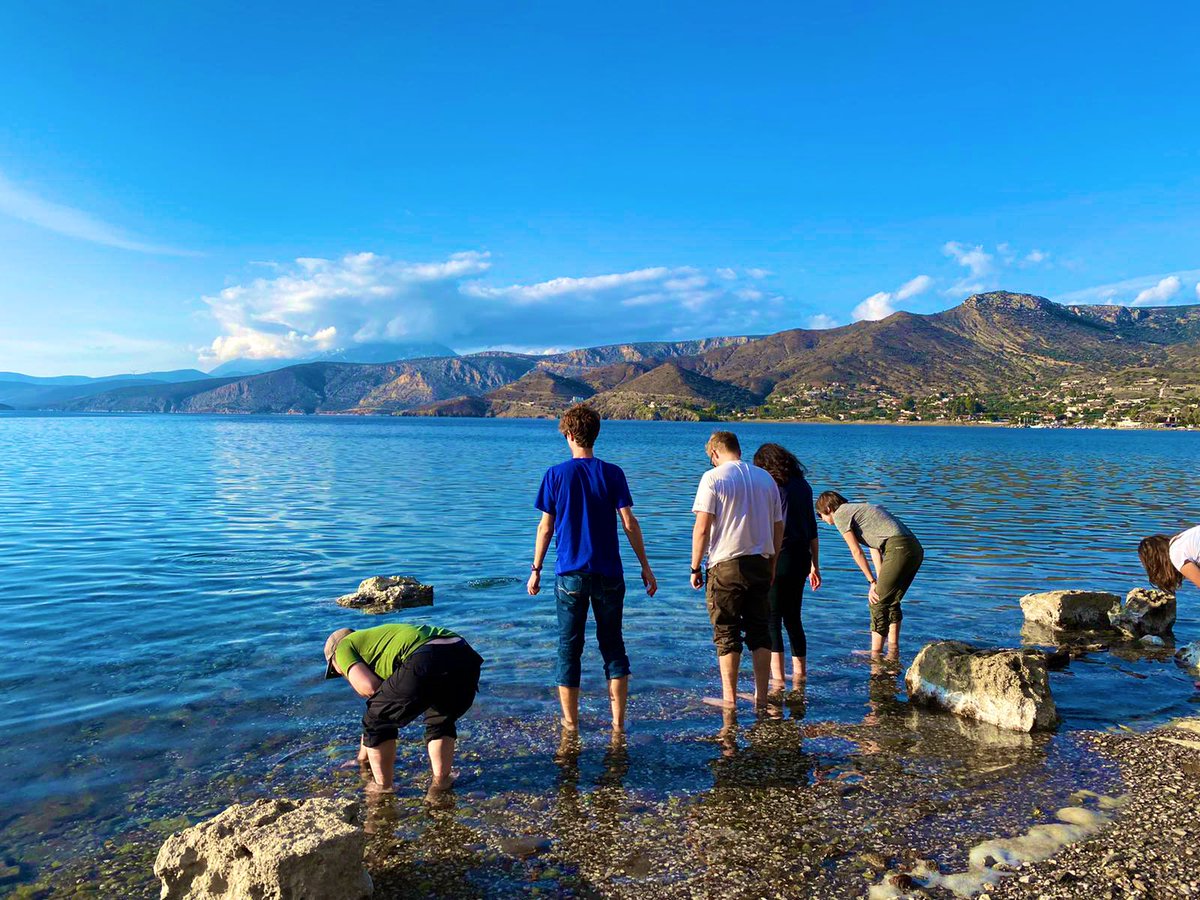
918,285
975,259
759,273
882,304
1162,292
822,321
1034,257
28,207
877,306
1126,292
727,274
1198,290
316,304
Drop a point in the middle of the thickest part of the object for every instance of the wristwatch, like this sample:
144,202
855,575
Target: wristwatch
697,571
533,568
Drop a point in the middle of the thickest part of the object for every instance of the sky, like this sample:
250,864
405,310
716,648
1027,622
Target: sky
182,184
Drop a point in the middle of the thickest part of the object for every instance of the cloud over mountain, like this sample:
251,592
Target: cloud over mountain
311,305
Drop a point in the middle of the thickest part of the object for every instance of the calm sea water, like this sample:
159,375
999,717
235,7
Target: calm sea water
167,584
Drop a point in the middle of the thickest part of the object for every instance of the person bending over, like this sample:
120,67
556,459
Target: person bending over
580,501
403,671
1168,560
895,551
798,559
739,524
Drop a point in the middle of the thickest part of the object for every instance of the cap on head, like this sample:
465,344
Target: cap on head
331,644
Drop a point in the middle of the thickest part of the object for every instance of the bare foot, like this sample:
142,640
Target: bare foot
719,702
569,726
439,795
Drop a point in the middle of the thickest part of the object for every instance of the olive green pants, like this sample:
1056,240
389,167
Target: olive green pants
902,557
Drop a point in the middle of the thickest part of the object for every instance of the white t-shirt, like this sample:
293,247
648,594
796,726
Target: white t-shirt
1186,548
745,502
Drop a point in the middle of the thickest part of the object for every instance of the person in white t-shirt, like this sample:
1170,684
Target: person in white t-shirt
1168,560
739,524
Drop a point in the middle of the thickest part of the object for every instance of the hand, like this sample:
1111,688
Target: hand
649,581
535,583
697,580
873,593
814,577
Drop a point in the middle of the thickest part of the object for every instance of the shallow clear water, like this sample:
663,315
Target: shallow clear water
167,584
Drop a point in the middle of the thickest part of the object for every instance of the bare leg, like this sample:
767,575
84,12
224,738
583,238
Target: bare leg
441,762
894,641
568,699
761,659
383,765
618,695
729,663
876,643
777,667
799,670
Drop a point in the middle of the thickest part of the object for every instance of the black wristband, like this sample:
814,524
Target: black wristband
533,568
697,571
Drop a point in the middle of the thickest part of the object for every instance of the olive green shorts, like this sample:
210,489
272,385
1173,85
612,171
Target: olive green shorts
902,557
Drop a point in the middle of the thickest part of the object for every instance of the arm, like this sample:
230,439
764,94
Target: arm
814,573
541,544
363,679
859,559
877,559
633,531
1191,572
700,545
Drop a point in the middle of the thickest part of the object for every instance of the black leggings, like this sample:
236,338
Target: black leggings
787,595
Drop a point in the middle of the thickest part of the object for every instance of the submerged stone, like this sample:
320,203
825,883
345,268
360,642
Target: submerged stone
1006,688
1069,609
269,849
1145,611
382,594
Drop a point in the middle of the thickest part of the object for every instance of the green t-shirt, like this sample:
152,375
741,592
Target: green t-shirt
384,647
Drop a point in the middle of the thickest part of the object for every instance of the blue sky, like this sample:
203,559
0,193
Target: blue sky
186,183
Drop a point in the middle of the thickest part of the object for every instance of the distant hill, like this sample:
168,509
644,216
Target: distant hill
536,394
4,407
358,353
673,392
32,392
1005,353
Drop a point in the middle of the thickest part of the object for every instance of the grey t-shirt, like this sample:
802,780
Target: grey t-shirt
872,524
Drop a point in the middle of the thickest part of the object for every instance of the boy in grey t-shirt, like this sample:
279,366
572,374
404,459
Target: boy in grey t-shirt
895,551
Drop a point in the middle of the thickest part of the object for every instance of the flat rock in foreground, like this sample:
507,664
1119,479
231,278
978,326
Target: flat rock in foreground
1007,688
269,850
1069,610
1146,611
383,594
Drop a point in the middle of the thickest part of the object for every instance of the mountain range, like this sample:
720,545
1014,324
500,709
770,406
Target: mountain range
997,348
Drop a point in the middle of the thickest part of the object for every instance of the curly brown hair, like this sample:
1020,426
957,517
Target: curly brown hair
1155,554
780,462
582,423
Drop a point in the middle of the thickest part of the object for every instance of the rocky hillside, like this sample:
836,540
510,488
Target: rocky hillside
995,351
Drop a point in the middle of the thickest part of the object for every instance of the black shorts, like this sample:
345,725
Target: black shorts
439,680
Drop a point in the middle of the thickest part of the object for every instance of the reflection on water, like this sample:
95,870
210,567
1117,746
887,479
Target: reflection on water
182,571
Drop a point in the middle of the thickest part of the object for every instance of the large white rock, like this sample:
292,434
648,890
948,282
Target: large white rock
1146,611
1069,609
1007,688
1189,655
269,850
383,593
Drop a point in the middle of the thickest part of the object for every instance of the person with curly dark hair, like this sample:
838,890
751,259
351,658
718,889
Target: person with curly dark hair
798,560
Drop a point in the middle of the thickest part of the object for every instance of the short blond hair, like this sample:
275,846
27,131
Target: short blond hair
723,440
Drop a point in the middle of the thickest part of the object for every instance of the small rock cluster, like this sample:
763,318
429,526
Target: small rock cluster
384,594
269,849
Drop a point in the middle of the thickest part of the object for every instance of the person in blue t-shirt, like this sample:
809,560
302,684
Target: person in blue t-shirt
580,501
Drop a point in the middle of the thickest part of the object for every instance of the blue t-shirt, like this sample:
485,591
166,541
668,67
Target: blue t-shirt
584,495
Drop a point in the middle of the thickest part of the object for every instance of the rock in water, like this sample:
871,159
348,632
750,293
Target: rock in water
1189,655
1146,611
1069,609
1008,688
269,849
381,594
